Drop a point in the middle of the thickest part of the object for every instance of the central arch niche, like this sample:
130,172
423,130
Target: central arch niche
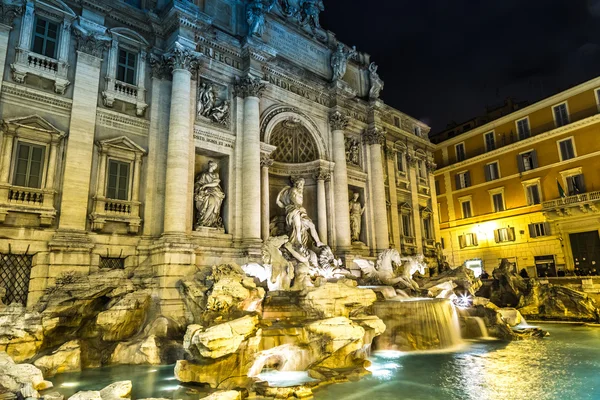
295,144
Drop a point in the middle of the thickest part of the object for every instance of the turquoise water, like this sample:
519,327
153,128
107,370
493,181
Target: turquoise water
565,365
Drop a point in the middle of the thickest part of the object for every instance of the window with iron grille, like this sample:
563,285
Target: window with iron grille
15,270
112,263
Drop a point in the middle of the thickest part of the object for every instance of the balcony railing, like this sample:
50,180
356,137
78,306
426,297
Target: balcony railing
125,92
572,200
42,63
28,62
126,89
25,195
113,210
117,206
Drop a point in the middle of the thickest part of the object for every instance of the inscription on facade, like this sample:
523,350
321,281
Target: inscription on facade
298,49
297,89
219,56
203,137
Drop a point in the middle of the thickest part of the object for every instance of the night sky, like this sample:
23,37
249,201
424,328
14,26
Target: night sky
445,60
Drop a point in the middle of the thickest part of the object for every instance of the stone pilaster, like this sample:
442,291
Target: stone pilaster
391,167
374,139
251,89
182,62
8,13
154,203
265,164
431,166
321,176
78,160
411,164
338,123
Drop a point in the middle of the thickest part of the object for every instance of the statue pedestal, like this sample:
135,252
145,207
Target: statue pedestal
206,231
343,89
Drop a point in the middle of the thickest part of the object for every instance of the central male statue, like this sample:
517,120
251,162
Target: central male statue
298,221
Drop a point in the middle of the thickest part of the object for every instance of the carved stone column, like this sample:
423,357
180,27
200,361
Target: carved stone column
321,176
251,89
78,160
7,148
431,167
181,62
8,12
374,139
338,123
391,167
414,194
265,164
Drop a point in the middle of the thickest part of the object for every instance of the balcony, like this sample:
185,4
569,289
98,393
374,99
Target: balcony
579,204
29,63
29,201
112,210
125,92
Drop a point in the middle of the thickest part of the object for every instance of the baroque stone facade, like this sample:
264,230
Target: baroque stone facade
112,115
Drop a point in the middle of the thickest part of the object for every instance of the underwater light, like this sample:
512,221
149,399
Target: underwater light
463,301
70,384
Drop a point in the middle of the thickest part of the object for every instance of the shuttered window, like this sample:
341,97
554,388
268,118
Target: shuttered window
460,152
463,180
498,202
561,116
575,184
523,129
527,161
504,235
118,180
467,240
467,212
539,229
492,171
490,141
29,165
567,151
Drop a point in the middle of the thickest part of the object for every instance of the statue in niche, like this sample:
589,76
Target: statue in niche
209,196
352,152
339,61
255,15
356,212
310,10
376,82
299,224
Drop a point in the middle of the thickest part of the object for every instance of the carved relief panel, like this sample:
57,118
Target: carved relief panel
212,103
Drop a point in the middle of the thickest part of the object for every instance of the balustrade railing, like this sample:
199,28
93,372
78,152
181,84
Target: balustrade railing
570,200
42,63
117,206
25,195
126,89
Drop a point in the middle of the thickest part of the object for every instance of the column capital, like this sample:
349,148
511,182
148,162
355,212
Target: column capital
249,87
91,43
338,121
322,174
8,12
182,58
390,151
373,136
431,166
266,161
158,66
410,158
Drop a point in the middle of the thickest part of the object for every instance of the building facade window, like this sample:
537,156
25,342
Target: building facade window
29,165
532,193
539,229
490,141
575,184
400,162
427,231
112,263
437,187
422,169
417,130
504,235
126,67
463,180
460,152
117,186
467,240
498,202
566,149
397,121
523,130
527,161
492,171
466,209
45,37
561,114
134,3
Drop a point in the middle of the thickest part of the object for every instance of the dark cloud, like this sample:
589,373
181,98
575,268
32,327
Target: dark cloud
446,60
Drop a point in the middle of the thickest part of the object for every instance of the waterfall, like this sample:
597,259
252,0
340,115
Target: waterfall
474,328
281,358
417,324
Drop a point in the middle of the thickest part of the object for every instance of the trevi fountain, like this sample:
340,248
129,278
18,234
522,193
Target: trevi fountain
240,215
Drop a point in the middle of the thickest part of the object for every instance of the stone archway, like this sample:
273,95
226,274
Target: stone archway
294,143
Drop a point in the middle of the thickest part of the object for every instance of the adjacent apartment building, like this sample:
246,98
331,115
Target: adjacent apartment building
525,187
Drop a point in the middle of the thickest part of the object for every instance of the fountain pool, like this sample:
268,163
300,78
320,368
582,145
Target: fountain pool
565,365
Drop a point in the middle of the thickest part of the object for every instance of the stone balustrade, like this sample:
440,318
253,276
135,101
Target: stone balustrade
28,62
25,195
114,210
583,202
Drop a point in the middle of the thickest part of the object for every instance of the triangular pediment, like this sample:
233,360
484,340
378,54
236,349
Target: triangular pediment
33,122
122,143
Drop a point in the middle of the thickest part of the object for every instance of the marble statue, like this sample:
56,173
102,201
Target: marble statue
209,196
206,100
376,82
255,15
299,224
276,270
356,212
392,269
339,61
310,10
353,152
220,113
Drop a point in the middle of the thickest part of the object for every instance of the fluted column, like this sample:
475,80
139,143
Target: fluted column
338,124
414,194
182,62
431,167
321,176
265,164
391,167
374,139
251,90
